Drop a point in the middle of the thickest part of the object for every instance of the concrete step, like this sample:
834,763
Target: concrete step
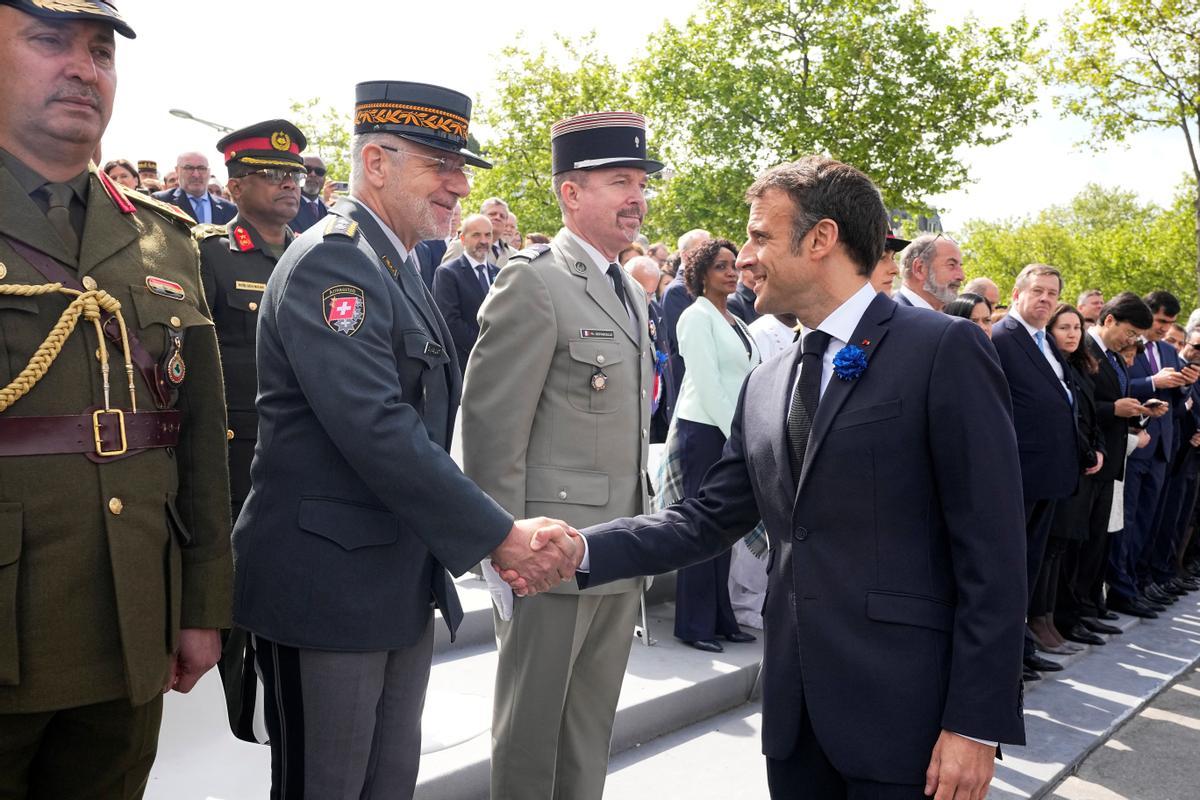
667,687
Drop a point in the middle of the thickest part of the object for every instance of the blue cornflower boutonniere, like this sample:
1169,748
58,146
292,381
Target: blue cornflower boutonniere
850,362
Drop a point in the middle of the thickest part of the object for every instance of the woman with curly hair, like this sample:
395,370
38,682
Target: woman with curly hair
718,351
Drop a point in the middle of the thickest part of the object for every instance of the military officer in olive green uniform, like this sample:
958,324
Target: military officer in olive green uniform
115,565
236,259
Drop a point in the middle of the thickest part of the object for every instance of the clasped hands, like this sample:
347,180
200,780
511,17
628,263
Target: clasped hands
538,554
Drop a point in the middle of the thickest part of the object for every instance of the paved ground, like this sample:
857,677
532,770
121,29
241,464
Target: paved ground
1154,756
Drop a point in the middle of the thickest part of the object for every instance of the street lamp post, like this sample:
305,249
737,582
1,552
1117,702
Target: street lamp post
179,112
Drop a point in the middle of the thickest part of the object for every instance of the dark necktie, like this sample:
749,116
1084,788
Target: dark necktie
1122,379
1152,357
59,215
614,275
481,271
806,398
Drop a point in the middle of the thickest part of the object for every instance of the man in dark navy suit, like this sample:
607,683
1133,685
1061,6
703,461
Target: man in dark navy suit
675,301
645,270
741,302
459,286
192,195
312,205
1043,404
930,272
895,611
1156,375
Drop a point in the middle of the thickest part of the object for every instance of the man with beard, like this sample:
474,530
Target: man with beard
931,272
356,510
312,205
459,286
556,420
114,525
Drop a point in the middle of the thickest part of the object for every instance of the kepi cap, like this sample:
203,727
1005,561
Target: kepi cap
148,166
420,112
604,139
99,10
274,144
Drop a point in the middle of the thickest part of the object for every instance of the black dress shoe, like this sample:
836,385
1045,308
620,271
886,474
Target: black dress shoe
741,637
1172,588
1108,615
1040,664
1029,675
1187,584
1156,595
1151,604
1132,608
1096,626
1079,633
708,645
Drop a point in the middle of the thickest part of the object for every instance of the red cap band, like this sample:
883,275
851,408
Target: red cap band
260,143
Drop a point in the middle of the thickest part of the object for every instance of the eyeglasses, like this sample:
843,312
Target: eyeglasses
193,168
275,176
446,167
318,171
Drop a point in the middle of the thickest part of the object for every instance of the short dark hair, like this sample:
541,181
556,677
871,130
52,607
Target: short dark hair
1128,307
821,188
964,304
700,261
124,164
1162,301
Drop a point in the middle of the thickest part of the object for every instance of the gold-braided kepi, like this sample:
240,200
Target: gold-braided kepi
98,10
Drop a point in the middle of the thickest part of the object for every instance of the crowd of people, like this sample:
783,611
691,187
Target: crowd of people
268,483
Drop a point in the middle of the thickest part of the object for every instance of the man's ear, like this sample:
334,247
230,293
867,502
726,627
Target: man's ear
824,237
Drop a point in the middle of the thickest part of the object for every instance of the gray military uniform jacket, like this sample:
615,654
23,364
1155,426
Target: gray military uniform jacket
556,410
356,510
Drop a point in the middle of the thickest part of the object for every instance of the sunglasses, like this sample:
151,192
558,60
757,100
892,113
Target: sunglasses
275,176
318,171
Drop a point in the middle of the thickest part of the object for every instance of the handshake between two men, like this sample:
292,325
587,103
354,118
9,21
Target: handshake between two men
538,554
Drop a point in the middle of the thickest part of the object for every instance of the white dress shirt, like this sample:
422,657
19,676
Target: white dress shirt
1046,351
915,299
771,336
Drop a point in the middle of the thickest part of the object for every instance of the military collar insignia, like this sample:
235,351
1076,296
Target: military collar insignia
164,288
345,308
241,237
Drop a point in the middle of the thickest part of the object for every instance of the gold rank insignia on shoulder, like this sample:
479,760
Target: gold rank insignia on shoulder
164,288
250,286
340,226
206,230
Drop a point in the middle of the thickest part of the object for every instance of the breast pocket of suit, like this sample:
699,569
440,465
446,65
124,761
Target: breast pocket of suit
855,417
237,315
429,359
592,382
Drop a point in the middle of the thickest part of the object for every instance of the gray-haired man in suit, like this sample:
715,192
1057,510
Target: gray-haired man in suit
563,363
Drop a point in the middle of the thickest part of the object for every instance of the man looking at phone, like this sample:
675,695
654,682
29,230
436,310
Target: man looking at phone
1158,374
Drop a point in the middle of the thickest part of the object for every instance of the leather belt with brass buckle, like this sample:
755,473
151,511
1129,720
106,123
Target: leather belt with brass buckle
99,434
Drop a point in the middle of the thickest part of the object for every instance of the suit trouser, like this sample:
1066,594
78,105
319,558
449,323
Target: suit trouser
344,726
1084,596
1143,488
97,752
1161,551
562,662
808,774
1039,516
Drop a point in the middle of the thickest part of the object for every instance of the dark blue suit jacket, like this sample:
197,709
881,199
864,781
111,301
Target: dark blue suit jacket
356,509
896,596
429,255
309,214
222,210
1106,391
459,295
1043,416
1163,443
675,301
741,304
902,299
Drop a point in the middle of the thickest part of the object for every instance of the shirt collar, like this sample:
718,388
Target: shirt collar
845,318
474,264
1096,336
1012,312
30,180
915,299
595,255
201,199
401,250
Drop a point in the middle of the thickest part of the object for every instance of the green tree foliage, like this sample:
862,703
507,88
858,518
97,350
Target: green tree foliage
746,84
535,89
1134,65
1103,239
328,132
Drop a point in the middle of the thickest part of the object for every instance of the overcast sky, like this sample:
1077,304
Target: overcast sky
238,62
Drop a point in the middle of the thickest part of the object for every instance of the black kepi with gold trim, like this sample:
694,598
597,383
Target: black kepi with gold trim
78,10
600,140
274,144
420,112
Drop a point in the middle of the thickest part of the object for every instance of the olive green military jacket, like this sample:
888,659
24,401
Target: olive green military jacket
102,564
555,408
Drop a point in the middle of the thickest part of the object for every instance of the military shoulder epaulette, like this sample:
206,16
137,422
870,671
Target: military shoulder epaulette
207,230
531,253
167,210
340,226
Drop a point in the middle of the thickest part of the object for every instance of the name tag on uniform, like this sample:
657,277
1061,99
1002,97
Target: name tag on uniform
250,286
591,333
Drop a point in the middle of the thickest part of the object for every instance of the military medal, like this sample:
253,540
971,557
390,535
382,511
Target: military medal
599,380
176,369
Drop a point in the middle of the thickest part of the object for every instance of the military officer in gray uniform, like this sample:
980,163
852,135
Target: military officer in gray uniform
356,511
115,569
265,168
556,418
